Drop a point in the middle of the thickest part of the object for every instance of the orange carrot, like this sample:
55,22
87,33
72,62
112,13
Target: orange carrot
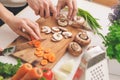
39,53
47,50
22,71
44,62
45,56
33,74
51,57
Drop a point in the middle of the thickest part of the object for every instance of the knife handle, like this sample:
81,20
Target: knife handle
23,46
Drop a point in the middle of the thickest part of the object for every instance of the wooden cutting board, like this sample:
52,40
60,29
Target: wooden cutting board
59,48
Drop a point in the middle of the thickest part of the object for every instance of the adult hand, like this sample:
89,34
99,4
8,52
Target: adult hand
42,7
72,7
31,28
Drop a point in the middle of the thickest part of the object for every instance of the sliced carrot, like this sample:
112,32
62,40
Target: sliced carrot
40,49
51,58
47,50
43,62
32,38
45,56
22,71
33,74
39,53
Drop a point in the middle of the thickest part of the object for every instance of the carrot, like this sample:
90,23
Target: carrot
32,38
47,50
40,49
45,56
22,71
51,57
44,62
39,53
33,74
35,43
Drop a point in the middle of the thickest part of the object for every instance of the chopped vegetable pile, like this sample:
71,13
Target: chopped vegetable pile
8,70
90,20
112,41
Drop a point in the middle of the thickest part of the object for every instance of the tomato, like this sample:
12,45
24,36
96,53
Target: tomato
47,73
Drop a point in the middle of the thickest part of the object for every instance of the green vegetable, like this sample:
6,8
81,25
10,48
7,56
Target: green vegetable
1,78
8,70
112,41
90,20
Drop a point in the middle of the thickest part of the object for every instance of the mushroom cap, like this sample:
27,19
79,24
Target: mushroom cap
74,48
82,38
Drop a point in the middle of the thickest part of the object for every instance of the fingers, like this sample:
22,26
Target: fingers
70,10
74,9
25,35
28,28
58,8
53,10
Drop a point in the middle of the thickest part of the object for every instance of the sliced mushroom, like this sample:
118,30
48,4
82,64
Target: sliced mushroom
78,22
67,34
82,38
57,37
74,48
46,29
63,29
62,20
62,23
55,29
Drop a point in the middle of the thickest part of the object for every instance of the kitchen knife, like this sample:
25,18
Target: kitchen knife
13,49
18,47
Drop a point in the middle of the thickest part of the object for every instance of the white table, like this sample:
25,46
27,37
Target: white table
98,11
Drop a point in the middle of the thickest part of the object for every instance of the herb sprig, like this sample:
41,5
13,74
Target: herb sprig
112,41
90,20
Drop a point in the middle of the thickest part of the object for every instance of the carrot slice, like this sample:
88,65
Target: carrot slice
45,56
39,53
47,50
33,74
22,71
51,58
44,62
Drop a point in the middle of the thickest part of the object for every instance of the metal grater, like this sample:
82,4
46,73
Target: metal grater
94,65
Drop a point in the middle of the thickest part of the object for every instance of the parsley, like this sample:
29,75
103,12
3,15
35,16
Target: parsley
8,70
112,41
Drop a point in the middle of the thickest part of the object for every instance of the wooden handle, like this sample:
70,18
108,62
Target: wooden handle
23,46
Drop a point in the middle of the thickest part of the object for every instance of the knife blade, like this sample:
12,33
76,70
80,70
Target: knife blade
15,48
18,47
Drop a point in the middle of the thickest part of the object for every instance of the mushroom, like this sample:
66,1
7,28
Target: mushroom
62,20
57,37
82,38
55,29
46,29
67,34
74,48
63,29
78,22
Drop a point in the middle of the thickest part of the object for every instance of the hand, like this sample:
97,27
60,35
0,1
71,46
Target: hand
42,7
72,7
31,28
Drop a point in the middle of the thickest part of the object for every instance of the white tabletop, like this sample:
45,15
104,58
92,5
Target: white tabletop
98,11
